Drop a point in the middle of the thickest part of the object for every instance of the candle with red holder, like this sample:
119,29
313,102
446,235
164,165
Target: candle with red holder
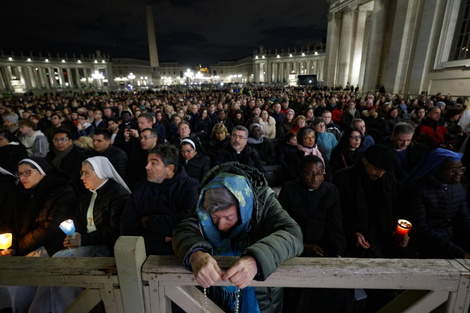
403,227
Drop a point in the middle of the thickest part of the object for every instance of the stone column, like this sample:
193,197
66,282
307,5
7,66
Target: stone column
358,46
332,47
375,47
343,74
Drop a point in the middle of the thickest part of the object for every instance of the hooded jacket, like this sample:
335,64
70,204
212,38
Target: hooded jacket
274,235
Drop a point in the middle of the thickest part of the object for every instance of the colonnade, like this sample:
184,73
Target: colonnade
17,75
276,68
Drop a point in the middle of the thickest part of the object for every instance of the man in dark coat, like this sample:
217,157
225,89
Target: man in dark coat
159,203
103,147
239,150
67,156
367,192
315,205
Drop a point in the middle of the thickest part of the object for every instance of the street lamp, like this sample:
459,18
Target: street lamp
98,77
188,74
131,77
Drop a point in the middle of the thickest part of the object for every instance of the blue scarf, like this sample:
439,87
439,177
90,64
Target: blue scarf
430,163
233,243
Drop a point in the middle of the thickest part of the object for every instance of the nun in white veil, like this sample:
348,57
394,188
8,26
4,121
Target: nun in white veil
100,209
97,228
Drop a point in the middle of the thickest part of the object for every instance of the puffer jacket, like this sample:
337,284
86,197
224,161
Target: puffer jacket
34,215
440,217
276,237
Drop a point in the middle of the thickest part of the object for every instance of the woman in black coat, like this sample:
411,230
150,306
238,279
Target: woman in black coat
36,207
100,209
349,150
194,161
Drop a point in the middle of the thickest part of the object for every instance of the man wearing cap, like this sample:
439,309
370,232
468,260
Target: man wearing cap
367,198
367,193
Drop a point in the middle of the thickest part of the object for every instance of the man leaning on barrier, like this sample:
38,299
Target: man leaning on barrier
237,214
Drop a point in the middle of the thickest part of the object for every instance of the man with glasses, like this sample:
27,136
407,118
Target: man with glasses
239,151
65,155
435,202
315,205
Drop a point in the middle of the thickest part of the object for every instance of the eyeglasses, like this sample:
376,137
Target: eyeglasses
314,175
455,170
26,173
321,125
60,139
355,137
85,173
146,137
238,136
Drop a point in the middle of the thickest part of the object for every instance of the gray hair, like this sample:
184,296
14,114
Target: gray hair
242,128
403,128
356,120
218,199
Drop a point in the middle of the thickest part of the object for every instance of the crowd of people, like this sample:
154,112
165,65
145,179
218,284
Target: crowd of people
185,170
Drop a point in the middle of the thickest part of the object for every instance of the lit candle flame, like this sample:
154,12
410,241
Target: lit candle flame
5,241
67,227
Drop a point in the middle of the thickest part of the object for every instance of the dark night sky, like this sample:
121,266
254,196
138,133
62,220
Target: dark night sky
188,31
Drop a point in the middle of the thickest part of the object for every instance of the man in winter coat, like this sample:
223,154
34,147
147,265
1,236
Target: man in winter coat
159,203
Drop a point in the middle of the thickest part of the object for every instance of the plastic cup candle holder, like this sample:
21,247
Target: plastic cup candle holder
403,227
5,241
67,227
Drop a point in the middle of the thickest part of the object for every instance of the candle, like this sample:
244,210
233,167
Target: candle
67,227
5,241
403,227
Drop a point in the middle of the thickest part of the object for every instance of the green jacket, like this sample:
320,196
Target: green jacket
276,237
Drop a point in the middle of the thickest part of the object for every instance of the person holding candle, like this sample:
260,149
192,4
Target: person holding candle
367,194
435,202
100,210
32,212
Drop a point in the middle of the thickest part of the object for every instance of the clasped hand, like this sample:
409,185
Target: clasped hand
207,272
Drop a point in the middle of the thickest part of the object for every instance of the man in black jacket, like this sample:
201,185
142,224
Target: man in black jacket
158,204
103,147
67,156
315,205
239,151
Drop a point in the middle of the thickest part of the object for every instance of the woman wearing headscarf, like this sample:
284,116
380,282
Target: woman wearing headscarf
262,144
435,202
237,214
100,209
194,161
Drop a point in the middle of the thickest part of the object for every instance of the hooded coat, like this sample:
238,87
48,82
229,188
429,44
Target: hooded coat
274,235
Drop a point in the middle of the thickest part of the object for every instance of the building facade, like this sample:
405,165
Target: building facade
20,73
406,46
283,67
